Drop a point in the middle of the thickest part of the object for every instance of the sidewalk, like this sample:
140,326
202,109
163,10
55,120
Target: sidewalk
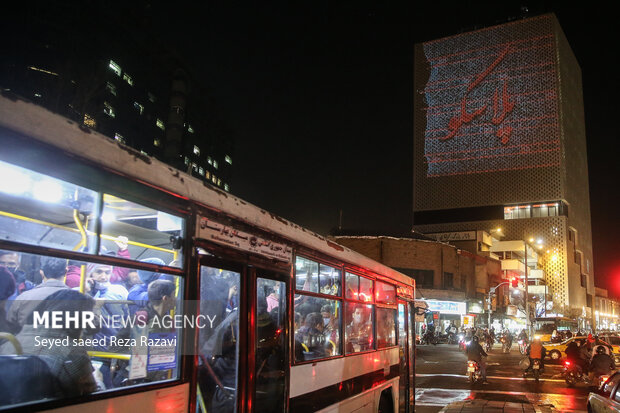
488,406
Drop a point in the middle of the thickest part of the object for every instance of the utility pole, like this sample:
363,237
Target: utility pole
527,297
492,291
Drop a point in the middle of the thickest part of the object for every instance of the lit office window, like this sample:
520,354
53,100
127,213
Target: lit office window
128,79
190,129
186,160
109,110
201,171
219,182
228,159
118,137
144,153
115,68
214,179
196,150
111,88
89,121
37,95
215,164
226,188
160,124
138,107
209,160
157,142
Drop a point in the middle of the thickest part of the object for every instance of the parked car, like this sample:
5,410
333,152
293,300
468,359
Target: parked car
607,397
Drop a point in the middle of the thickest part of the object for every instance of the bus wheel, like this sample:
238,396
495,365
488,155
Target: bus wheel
385,403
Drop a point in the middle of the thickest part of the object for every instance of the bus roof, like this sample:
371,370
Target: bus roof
31,120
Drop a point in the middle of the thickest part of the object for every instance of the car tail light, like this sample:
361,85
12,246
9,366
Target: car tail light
472,364
604,379
567,363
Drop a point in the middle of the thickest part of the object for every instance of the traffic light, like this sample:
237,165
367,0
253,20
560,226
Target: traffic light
514,282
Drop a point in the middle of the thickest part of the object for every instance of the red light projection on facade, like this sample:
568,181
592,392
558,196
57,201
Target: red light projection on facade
491,102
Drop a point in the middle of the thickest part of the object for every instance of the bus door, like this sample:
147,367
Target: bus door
405,346
220,350
268,333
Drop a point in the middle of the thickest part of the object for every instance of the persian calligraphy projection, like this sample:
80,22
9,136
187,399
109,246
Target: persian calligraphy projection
487,102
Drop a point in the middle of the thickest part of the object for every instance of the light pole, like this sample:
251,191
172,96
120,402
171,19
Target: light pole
492,291
527,297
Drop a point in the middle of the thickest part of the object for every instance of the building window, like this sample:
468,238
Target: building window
190,129
214,179
111,88
226,188
157,143
118,137
128,79
186,160
201,171
448,280
215,164
115,68
196,150
228,159
160,124
138,107
207,174
89,121
209,160
109,110
219,182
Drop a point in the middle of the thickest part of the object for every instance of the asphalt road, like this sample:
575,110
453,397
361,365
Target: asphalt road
441,379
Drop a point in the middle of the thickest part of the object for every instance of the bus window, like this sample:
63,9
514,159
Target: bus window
358,288
386,327
218,342
270,346
40,210
306,275
317,328
385,293
115,338
146,232
359,327
329,280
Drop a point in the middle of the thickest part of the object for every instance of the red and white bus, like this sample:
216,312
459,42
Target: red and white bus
287,319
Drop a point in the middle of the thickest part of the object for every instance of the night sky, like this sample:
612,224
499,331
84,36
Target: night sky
319,98
320,101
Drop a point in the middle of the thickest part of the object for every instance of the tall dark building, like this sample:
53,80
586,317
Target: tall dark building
499,141
105,68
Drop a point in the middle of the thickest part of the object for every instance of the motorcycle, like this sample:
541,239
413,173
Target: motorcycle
573,373
488,345
462,343
473,371
429,338
522,346
506,344
536,369
533,366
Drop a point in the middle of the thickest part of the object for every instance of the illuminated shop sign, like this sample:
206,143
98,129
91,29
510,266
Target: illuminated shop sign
447,307
491,100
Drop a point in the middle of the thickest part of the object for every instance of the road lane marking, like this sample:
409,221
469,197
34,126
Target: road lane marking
488,377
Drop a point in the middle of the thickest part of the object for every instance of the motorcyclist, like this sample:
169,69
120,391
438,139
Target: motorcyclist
601,364
508,338
476,353
600,344
492,334
572,352
536,351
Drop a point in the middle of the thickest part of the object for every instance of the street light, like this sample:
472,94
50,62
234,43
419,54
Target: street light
492,291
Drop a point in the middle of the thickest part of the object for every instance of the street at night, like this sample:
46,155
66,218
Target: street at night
441,380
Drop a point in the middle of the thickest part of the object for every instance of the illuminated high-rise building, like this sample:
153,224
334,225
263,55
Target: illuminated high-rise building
499,142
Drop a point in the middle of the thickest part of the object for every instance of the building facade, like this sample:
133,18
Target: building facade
453,283
110,74
499,142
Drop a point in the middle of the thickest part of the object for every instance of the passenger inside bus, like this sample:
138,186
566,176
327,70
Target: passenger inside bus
358,332
69,364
